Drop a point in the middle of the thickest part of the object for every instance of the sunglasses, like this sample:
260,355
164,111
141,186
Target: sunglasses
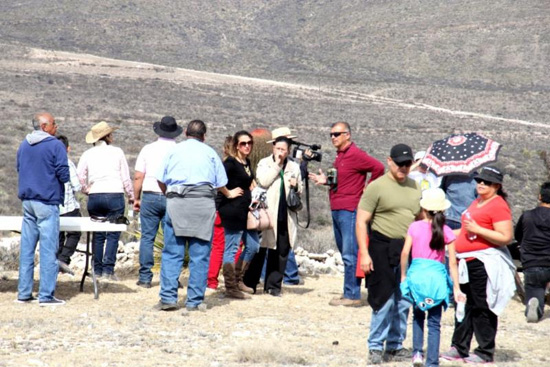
337,134
403,164
245,143
484,182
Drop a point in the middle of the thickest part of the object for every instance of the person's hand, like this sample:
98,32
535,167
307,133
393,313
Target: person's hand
137,205
293,181
459,296
320,179
279,159
236,192
366,263
472,226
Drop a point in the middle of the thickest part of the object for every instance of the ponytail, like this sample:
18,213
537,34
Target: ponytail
438,238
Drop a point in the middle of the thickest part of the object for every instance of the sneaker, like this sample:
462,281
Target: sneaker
397,355
475,359
274,292
31,299
451,355
202,307
143,284
532,310
418,360
341,301
375,356
51,302
161,306
64,268
111,277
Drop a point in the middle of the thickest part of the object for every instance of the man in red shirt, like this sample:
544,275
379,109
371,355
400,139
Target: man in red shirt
351,166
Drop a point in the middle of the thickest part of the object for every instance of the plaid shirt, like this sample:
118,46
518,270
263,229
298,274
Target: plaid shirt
70,203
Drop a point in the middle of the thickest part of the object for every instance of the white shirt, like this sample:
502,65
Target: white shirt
425,180
70,203
149,161
104,169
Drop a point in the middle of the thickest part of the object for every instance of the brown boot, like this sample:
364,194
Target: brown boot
231,287
240,269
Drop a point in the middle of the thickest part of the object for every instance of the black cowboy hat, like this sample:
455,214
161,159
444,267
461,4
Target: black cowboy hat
167,127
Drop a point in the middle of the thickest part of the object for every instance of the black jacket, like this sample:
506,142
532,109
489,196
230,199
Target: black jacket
533,235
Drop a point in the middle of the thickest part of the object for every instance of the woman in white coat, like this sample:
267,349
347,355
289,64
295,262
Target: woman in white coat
278,175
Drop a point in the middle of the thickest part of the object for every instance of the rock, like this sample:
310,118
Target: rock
330,252
318,257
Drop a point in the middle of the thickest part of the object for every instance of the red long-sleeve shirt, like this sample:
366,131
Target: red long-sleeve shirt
352,165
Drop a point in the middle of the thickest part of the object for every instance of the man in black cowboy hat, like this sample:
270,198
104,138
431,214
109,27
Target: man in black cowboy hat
149,199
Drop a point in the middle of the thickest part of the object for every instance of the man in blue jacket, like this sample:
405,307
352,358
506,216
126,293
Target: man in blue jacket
43,169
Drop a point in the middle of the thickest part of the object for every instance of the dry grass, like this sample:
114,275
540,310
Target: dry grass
269,352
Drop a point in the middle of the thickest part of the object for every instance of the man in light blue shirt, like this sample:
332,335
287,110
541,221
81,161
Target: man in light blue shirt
190,175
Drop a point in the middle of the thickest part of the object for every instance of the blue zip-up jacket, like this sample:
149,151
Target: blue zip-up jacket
43,168
427,284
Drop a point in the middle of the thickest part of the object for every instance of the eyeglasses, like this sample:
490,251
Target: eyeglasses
484,182
337,134
404,164
245,143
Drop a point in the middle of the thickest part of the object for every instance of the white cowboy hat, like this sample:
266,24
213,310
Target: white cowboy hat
281,131
434,200
98,131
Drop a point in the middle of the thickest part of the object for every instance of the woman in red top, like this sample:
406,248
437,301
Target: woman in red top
487,223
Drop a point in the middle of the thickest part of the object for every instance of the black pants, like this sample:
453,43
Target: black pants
535,280
276,263
478,318
68,248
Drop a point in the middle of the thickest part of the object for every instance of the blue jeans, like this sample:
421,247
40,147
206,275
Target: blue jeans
104,205
343,223
233,238
389,323
434,331
172,262
40,223
152,211
291,270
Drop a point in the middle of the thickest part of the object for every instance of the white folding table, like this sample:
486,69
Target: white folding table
72,224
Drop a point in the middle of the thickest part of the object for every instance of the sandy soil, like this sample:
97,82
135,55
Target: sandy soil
122,329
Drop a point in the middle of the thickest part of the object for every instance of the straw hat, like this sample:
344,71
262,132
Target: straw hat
281,131
434,200
98,131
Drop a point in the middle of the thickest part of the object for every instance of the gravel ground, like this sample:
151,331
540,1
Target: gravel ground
300,328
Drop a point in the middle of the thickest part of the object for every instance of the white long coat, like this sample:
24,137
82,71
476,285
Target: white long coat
268,177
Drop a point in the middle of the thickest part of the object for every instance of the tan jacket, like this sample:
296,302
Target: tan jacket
268,177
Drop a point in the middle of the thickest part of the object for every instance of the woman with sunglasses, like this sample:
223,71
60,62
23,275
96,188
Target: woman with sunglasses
486,269
234,212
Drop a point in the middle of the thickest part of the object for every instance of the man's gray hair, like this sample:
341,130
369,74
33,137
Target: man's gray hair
348,128
35,123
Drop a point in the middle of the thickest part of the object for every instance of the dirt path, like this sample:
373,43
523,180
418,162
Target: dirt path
122,329
67,63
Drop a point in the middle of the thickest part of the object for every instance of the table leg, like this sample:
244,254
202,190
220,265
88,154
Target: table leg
86,262
89,251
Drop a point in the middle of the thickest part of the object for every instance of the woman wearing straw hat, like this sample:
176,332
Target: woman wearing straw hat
104,175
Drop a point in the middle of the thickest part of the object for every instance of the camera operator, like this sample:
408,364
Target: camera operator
346,180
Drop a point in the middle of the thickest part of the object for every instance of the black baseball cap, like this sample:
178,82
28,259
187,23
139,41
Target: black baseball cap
401,153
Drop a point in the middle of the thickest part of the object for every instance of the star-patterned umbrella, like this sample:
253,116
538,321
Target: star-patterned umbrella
460,153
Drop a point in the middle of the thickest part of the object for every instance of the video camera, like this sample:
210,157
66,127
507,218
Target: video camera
299,151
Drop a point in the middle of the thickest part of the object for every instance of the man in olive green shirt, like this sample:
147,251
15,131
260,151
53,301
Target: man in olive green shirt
390,204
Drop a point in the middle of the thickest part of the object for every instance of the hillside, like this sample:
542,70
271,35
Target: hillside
398,71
